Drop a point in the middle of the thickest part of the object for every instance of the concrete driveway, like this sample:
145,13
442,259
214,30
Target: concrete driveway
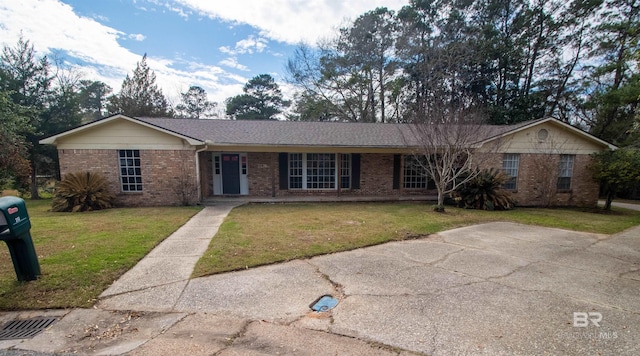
498,289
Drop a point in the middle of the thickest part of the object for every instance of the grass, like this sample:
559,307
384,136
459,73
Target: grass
254,235
81,254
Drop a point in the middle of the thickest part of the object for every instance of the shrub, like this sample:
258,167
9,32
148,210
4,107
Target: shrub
83,191
485,192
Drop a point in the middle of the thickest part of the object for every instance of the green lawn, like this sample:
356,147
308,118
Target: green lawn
81,254
258,234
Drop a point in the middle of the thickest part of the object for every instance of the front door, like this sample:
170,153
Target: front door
231,174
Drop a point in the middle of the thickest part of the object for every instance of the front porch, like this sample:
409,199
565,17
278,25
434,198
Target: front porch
317,199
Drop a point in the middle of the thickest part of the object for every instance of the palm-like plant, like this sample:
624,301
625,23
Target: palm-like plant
485,192
83,191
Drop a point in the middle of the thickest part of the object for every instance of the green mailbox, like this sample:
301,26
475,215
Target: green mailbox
15,231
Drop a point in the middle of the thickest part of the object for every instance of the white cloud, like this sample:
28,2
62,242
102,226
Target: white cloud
290,21
137,37
232,62
249,45
59,28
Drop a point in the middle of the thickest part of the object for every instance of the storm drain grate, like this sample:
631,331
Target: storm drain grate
24,329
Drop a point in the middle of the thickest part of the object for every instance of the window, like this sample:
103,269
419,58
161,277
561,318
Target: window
414,175
345,171
318,171
510,164
243,160
295,171
321,171
565,172
130,172
217,163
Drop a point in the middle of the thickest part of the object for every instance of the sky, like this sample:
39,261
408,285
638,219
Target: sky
215,44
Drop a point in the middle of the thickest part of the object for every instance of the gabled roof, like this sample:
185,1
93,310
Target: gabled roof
51,140
302,133
502,131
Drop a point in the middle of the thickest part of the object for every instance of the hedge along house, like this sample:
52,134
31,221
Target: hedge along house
159,161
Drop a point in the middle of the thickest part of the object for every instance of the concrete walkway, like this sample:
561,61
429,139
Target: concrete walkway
158,280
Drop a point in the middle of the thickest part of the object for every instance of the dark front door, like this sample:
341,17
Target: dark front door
230,174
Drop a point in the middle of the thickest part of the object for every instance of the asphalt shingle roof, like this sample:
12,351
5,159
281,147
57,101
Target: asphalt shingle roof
300,133
294,133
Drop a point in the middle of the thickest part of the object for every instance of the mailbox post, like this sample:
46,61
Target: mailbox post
15,231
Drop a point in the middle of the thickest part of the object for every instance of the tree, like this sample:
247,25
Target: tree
93,99
140,95
27,80
616,170
614,84
445,141
195,104
350,75
262,100
14,147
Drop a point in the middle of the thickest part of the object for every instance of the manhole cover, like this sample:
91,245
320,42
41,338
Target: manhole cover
324,303
24,329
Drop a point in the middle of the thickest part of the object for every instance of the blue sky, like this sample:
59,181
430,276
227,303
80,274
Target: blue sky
218,45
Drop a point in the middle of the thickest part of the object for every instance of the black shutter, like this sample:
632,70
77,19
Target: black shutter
355,171
396,171
283,168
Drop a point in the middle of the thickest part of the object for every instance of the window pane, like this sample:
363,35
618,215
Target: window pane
345,171
565,172
510,164
321,172
415,176
295,171
130,170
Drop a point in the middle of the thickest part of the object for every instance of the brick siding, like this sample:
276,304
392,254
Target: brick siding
165,174
538,176
376,178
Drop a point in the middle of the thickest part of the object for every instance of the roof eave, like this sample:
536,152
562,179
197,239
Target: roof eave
555,121
53,140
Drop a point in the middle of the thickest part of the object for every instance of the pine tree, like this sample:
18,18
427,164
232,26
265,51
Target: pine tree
140,95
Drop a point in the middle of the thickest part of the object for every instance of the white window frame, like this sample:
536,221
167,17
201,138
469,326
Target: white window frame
414,175
511,166
345,171
304,167
297,168
130,168
565,172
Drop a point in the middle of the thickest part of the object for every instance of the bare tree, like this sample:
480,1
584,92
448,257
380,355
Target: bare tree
446,145
186,187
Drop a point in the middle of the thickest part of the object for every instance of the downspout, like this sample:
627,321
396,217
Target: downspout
199,185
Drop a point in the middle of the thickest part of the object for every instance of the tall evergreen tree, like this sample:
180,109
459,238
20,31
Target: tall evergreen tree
613,84
195,105
350,75
140,95
262,100
27,80
93,99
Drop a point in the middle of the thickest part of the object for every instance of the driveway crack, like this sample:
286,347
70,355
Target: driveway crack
231,339
337,287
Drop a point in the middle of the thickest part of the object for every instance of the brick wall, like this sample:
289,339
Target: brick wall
166,174
376,178
537,181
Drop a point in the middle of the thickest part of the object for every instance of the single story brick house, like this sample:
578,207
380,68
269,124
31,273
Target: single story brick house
161,161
